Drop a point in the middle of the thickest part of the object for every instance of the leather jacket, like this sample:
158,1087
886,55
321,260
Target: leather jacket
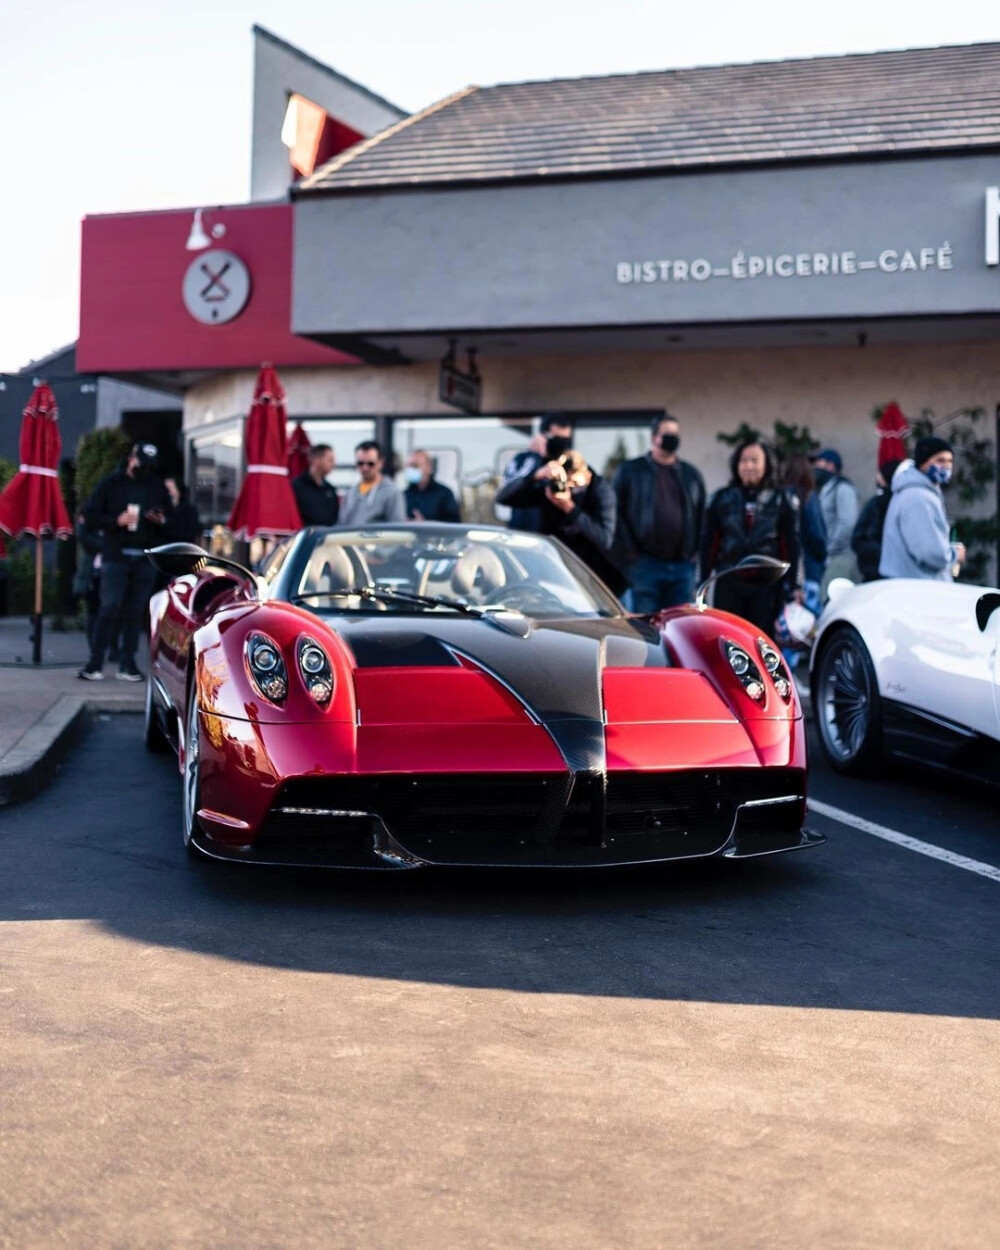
635,490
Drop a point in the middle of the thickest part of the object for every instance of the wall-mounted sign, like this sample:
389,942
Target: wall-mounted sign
216,287
461,390
787,265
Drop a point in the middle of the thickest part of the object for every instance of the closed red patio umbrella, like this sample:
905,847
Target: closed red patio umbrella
265,505
298,451
892,428
32,502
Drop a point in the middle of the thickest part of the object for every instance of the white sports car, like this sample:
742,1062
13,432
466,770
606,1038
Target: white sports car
910,668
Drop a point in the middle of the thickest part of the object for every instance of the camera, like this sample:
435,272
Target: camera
560,477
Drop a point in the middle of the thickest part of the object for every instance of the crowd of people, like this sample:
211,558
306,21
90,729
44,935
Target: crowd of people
648,533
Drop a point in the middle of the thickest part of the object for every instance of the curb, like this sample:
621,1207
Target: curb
33,761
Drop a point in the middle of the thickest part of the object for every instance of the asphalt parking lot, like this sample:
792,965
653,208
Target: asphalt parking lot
797,1051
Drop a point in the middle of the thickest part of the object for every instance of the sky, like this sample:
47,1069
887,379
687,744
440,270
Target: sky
106,107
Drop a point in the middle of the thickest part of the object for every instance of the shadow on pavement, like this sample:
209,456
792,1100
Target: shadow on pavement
852,925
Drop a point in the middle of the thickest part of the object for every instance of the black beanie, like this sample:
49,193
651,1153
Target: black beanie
927,447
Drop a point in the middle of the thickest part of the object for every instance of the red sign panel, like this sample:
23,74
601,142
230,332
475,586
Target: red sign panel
133,316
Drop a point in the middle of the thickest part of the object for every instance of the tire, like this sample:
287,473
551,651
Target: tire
847,706
192,776
153,736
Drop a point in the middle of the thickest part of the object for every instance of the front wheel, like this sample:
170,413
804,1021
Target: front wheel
847,704
192,774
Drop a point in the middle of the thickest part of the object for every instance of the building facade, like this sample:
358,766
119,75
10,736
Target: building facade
798,242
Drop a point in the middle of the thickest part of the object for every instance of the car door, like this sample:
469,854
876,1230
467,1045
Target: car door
939,659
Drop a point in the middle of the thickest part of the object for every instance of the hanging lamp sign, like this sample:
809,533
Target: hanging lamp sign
460,390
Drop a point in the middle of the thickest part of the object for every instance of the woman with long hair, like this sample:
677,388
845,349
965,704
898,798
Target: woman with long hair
751,516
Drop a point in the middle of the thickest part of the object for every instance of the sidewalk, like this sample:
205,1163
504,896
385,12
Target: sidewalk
44,708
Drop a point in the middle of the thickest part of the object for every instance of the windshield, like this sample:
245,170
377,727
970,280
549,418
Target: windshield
427,568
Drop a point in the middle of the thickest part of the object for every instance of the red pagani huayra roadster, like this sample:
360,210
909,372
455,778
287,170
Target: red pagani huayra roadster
426,694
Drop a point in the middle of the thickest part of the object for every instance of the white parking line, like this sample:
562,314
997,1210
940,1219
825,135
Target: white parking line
902,839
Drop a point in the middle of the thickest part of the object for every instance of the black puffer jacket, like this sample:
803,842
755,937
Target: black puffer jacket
727,536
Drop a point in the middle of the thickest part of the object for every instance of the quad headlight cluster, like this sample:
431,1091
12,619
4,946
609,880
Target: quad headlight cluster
314,665
270,676
775,668
747,670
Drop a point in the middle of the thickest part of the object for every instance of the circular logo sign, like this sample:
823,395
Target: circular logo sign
216,287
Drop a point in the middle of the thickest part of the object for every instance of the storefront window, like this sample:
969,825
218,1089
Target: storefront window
472,452
215,464
343,437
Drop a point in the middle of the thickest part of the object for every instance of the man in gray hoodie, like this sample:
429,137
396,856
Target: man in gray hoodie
375,498
915,541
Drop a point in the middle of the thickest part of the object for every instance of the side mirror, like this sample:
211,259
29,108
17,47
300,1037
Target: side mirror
176,559
753,570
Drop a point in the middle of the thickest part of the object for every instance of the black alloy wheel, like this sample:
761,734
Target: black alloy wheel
847,705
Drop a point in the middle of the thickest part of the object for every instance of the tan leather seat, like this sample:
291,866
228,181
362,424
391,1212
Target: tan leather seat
478,570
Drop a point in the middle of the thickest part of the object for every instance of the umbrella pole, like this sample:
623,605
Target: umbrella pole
36,634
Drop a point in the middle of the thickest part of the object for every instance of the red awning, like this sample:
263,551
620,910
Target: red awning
32,502
265,505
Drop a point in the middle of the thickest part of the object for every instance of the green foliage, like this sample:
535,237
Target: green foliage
7,470
793,440
21,580
744,433
98,453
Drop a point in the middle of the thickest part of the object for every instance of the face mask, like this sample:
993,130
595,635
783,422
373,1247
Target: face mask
143,470
556,446
822,476
412,474
669,443
938,474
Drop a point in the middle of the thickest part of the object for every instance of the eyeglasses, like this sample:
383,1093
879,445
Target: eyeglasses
366,464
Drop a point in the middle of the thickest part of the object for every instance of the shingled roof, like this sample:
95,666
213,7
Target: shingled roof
906,102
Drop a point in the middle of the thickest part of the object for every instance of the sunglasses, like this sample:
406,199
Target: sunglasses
366,464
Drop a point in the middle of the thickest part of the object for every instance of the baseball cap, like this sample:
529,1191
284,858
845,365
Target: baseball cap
831,454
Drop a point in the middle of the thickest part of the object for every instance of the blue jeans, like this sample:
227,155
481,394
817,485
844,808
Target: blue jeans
656,584
126,586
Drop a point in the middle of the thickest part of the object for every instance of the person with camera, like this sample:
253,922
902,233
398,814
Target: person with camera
661,503
576,505
130,508
527,475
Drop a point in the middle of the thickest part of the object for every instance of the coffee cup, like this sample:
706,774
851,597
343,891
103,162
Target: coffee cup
133,516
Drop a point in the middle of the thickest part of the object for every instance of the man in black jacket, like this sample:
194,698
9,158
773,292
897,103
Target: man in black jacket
130,507
426,498
661,505
315,497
